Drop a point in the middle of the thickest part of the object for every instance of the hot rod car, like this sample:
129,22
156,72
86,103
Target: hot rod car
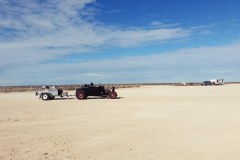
86,90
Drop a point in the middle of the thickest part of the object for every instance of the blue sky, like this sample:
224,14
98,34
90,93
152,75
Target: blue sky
124,41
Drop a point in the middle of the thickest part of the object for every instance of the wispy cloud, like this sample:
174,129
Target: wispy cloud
183,65
35,31
160,24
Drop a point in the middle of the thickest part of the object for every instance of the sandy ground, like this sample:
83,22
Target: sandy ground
147,123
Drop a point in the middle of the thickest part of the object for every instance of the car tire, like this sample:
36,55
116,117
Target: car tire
45,97
81,95
113,95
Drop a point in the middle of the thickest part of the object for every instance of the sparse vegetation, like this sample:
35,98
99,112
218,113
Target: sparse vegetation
6,89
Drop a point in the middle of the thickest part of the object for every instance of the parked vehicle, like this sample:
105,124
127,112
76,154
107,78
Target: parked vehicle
207,83
218,81
49,93
95,90
214,82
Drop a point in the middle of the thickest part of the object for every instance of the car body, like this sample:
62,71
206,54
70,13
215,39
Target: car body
85,91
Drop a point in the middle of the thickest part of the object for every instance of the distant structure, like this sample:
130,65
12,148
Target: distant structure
183,83
217,81
214,82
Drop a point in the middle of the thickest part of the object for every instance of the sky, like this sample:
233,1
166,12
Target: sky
58,42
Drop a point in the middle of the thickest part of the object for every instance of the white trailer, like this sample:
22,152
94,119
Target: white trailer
217,81
49,93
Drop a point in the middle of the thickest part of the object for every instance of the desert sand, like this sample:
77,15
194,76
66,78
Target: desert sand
146,123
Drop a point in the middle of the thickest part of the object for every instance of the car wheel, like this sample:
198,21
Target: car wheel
81,95
45,97
113,95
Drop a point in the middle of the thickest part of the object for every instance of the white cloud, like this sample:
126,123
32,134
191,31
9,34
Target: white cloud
156,23
197,64
33,32
159,24
140,36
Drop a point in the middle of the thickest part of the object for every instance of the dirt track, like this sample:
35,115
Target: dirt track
154,122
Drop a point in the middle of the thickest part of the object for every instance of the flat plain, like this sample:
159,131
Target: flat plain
149,122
